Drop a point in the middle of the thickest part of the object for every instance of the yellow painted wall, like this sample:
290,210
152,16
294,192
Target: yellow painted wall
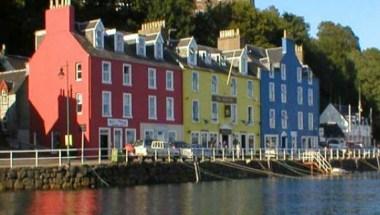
204,96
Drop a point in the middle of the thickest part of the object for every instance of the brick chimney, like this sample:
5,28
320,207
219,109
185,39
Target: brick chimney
299,53
59,17
230,39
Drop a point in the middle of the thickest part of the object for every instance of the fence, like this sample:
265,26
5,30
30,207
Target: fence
92,156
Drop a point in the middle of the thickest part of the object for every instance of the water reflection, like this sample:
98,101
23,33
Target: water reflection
355,194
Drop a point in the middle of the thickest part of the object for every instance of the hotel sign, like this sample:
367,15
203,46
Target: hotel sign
224,99
117,122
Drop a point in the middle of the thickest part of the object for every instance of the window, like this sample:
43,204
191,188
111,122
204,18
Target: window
99,39
195,138
119,42
127,75
311,121
310,97
233,113
78,72
250,115
195,81
233,87
284,119
300,120
299,74
271,73
152,107
310,77
214,85
169,108
141,46
106,72
172,136
250,88
106,104
79,99
127,105
283,72
271,92
214,111
130,135
283,93
169,80
192,56
243,66
195,113
148,134
299,95
152,78
272,118
158,50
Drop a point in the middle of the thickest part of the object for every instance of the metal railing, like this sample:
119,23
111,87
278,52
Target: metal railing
92,156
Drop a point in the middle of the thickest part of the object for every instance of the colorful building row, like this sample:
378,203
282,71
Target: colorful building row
104,88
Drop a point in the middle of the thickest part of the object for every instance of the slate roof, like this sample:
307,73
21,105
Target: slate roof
184,42
209,49
12,62
87,24
14,79
274,55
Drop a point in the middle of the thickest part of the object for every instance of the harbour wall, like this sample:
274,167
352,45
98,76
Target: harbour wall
120,175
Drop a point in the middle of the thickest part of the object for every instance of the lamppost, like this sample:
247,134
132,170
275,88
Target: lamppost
61,74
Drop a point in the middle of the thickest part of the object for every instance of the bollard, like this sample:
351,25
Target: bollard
36,153
299,154
155,155
11,159
233,155
284,154
260,154
223,154
60,157
100,155
291,154
242,154
251,154
213,154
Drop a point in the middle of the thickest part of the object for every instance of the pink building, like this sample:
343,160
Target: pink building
121,87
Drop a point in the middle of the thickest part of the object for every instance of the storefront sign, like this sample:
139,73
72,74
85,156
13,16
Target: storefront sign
224,99
117,122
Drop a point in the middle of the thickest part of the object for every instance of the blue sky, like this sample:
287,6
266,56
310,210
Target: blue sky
363,16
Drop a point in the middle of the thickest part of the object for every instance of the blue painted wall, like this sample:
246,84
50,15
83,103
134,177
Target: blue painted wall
290,60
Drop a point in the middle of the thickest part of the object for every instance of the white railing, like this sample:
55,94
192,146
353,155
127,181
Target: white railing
59,157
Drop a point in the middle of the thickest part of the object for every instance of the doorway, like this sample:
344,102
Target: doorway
224,141
104,136
243,142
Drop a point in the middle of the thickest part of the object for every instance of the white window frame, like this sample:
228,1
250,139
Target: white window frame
78,72
127,78
169,117
250,111
195,81
284,93
300,120
310,99
214,116
109,104
271,73
169,80
310,77
173,132
152,74
250,89
79,103
299,74
283,72
154,116
191,137
99,43
214,85
300,95
119,42
192,112
272,118
127,115
148,130
126,135
272,94
234,87
311,121
284,119
104,81
158,50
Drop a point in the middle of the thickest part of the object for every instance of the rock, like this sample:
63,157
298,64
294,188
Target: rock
18,185
12,174
30,173
2,187
37,184
85,182
67,186
9,184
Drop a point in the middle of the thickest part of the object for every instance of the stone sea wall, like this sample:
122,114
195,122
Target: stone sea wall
112,175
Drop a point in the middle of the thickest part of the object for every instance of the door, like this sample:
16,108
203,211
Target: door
204,140
103,142
117,138
225,141
243,142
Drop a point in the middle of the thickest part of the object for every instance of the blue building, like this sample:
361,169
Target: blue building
289,99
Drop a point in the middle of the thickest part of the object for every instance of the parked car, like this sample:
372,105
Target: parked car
336,143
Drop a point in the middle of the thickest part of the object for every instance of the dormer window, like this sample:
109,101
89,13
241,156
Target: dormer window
158,50
243,66
99,38
140,46
119,43
192,56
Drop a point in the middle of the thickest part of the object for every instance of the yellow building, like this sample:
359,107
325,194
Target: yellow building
217,113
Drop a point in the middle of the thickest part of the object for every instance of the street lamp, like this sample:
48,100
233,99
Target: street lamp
61,74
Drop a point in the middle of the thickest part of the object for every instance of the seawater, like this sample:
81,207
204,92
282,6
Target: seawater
358,193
